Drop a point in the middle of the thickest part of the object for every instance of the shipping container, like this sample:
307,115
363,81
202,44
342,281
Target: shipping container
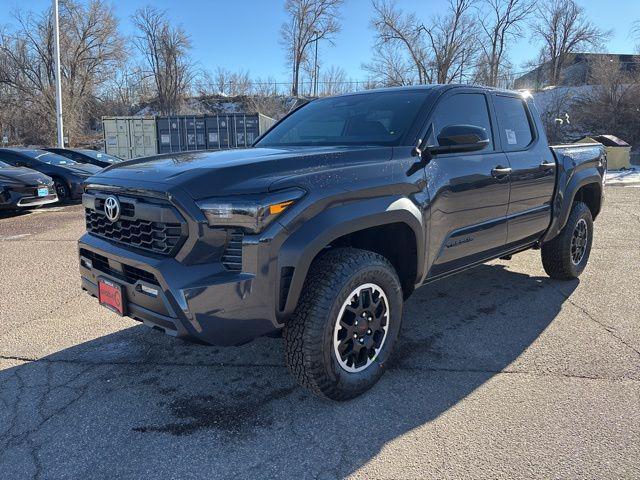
181,133
130,137
212,132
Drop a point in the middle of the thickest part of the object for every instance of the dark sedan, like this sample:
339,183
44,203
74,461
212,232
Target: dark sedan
67,174
24,188
99,159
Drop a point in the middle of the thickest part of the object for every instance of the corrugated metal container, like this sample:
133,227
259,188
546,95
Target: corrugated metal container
130,137
183,133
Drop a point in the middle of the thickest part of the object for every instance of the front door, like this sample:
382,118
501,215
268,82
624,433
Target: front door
469,191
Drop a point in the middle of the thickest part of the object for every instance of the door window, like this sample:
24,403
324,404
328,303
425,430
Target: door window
515,126
463,109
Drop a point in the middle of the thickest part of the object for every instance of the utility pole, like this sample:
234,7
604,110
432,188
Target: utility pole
56,26
315,68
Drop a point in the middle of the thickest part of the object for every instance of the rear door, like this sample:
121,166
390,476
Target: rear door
533,169
469,191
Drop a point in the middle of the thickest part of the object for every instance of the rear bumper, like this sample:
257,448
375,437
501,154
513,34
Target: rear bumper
203,303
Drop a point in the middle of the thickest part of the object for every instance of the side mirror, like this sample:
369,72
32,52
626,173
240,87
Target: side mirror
461,138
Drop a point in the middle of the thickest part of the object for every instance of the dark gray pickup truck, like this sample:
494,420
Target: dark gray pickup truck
328,223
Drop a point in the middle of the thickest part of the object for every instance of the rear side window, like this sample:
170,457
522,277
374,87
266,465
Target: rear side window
463,109
515,128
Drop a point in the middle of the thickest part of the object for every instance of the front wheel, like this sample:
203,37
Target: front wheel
566,256
343,331
62,190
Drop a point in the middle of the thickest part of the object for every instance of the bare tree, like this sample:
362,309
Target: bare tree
442,52
308,21
635,34
165,50
563,29
614,101
398,31
91,50
224,82
334,82
453,42
389,68
501,21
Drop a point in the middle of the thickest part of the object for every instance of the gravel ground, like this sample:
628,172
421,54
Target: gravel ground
501,373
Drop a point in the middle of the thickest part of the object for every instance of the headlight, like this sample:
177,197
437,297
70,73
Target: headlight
250,212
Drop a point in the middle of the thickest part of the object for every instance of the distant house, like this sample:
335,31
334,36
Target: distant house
576,71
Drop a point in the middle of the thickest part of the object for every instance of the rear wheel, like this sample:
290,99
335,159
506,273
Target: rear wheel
566,256
345,326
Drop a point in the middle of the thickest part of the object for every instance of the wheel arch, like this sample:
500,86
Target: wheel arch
368,225
586,186
57,177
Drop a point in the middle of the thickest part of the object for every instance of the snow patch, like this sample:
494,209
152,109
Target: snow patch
625,178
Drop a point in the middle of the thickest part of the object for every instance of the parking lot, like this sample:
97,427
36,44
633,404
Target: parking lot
501,372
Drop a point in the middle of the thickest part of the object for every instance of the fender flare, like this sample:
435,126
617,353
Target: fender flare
564,200
300,249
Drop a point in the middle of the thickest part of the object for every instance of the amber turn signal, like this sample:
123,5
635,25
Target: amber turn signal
279,207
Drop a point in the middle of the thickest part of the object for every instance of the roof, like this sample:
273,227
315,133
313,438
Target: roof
427,87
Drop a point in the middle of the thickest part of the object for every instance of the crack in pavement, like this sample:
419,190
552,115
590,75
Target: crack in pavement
26,437
506,371
604,326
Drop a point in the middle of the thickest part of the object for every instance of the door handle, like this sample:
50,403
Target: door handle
547,165
500,171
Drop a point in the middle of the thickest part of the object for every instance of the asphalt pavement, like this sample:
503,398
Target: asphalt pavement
501,373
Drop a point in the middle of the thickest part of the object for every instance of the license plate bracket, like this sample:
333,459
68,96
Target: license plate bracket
110,295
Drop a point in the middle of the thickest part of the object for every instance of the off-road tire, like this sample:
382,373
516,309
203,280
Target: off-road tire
309,334
557,254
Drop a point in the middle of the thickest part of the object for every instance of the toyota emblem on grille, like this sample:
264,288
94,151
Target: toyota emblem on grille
112,209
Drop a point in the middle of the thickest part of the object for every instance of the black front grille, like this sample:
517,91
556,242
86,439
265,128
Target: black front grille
158,237
128,274
232,256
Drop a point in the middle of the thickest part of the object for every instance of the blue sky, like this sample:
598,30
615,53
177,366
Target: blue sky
243,34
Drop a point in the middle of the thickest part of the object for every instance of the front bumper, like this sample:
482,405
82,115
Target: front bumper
203,303
11,199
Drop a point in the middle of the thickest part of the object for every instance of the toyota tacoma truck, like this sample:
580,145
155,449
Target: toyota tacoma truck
326,225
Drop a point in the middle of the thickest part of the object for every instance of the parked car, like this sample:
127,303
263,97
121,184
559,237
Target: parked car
67,174
99,159
24,188
328,224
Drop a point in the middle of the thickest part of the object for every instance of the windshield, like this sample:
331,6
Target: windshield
48,157
104,157
377,118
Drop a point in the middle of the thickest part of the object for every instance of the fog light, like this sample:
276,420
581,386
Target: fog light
149,291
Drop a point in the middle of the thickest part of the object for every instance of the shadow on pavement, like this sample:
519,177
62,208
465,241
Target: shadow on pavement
139,404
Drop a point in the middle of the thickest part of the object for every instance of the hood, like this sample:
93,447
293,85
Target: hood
250,170
23,177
